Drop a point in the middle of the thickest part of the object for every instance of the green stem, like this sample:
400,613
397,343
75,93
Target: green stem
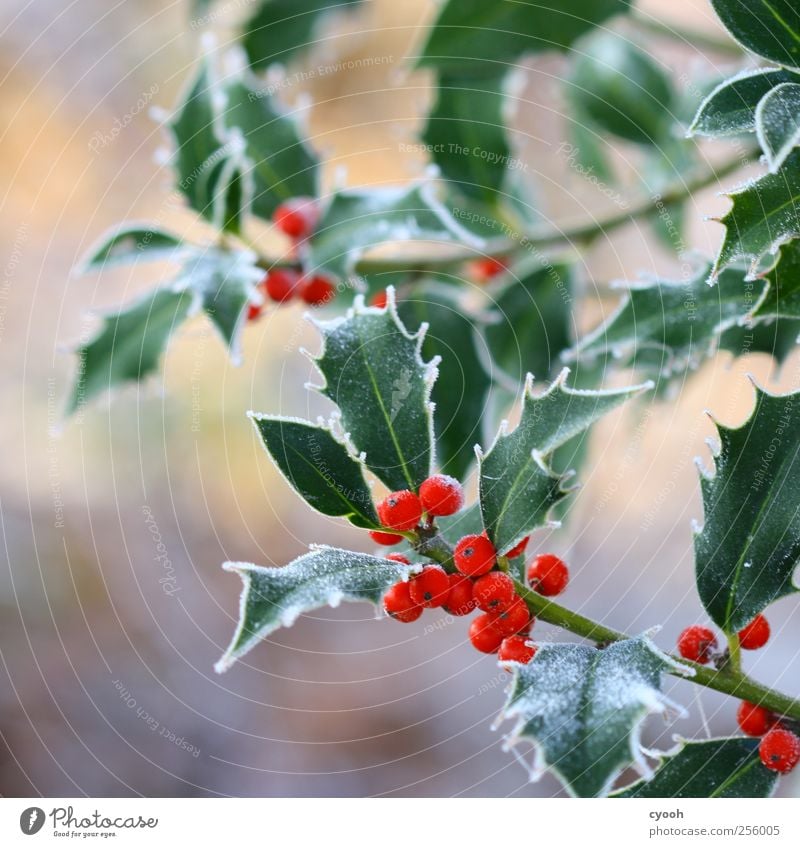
735,652
729,680
520,242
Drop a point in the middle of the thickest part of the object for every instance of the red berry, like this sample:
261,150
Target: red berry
519,549
430,587
400,510
484,635
317,290
474,555
515,648
460,600
398,603
755,634
494,592
385,539
780,750
254,311
754,720
280,284
441,495
398,557
696,643
515,618
296,217
548,575
485,269
380,299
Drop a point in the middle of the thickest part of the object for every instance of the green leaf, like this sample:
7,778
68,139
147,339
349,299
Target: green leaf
129,344
582,709
531,323
769,28
621,90
459,394
781,298
375,374
474,37
719,767
224,282
730,108
128,243
466,135
280,28
276,597
468,521
517,486
319,467
764,215
277,160
199,142
357,220
778,123
678,323
749,545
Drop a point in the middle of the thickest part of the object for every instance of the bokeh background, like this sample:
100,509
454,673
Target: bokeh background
107,639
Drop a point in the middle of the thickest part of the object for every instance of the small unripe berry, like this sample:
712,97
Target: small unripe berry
548,575
780,750
484,635
398,557
460,600
379,299
441,495
281,284
398,603
519,549
482,270
755,634
474,555
430,587
317,290
696,643
400,510
494,592
754,720
296,217
514,619
516,648
385,539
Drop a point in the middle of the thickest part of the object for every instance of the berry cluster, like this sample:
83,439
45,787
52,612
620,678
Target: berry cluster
699,644
297,219
478,580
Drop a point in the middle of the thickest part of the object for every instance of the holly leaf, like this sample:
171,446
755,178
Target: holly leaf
466,134
278,29
730,109
778,123
781,297
517,486
129,344
530,321
276,597
749,544
375,374
764,215
669,326
769,28
468,521
583,708
473,37
621,90
319,467
459,394
276,158
128,243
719,767
356,221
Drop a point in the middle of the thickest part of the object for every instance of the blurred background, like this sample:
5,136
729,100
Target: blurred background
113,606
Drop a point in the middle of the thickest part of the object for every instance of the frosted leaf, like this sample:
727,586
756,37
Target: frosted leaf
778,123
